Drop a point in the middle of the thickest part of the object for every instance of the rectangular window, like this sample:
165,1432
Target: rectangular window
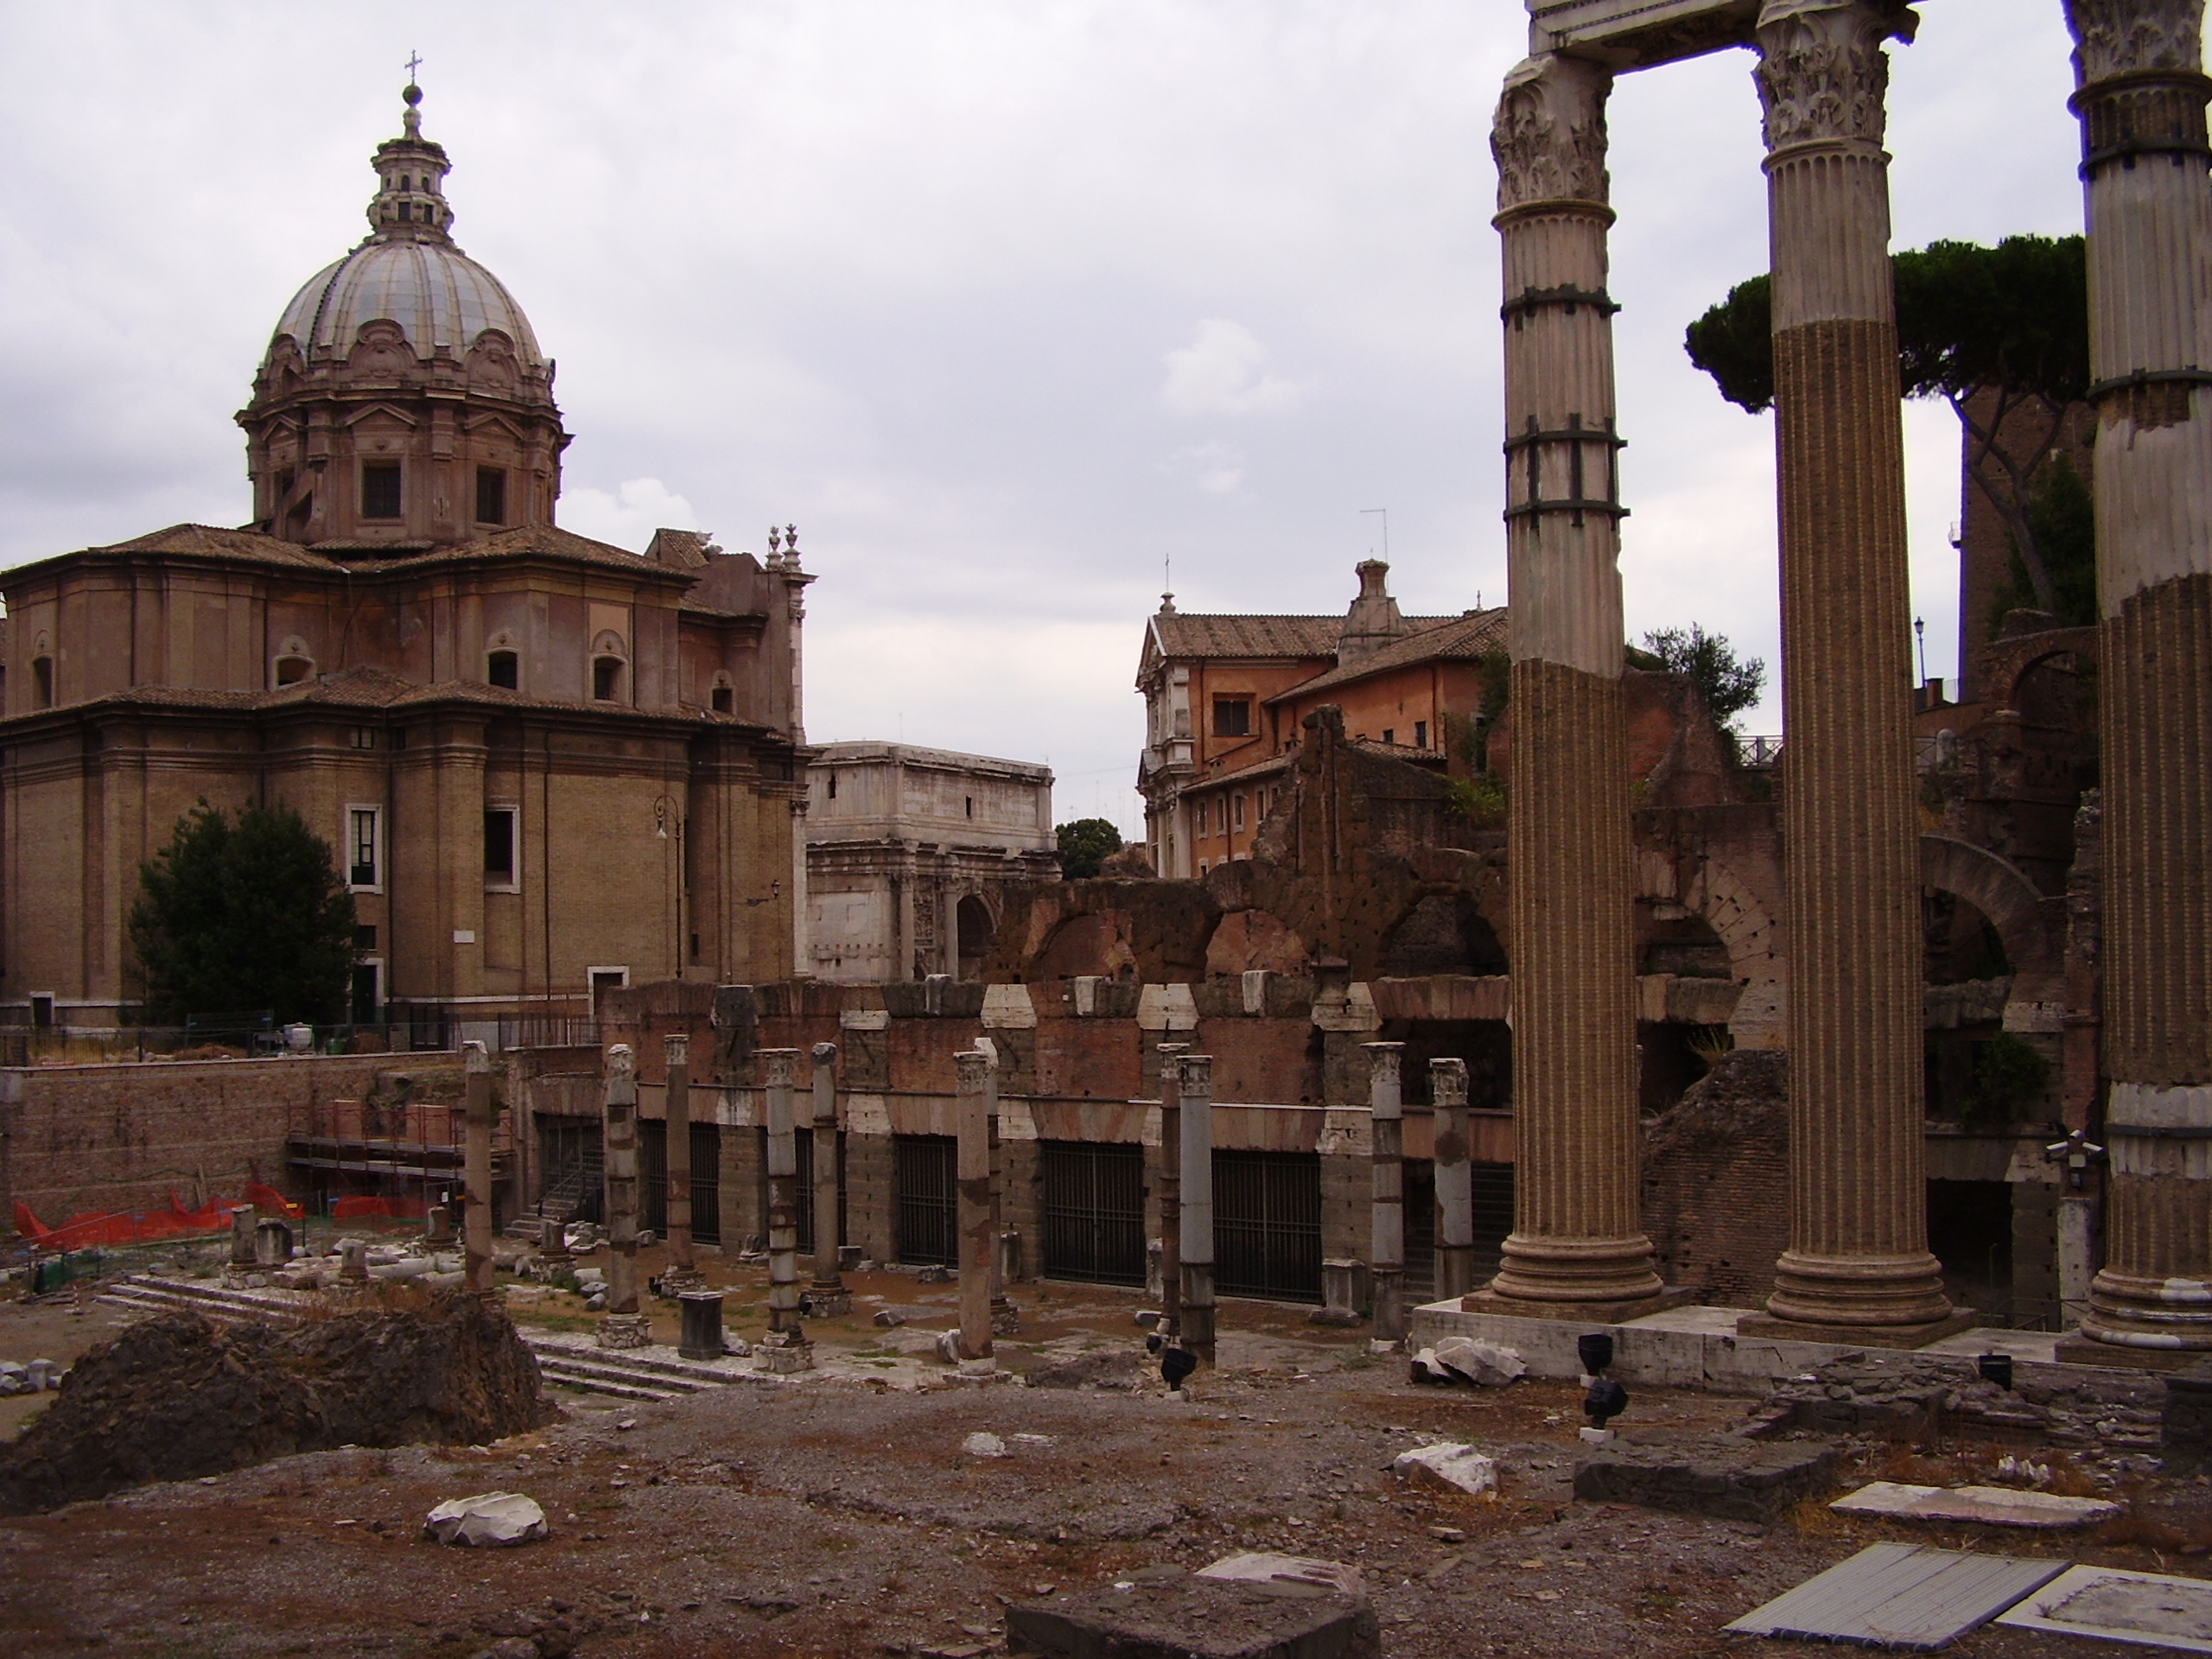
1421,733
1232,716
379,489
499,840
365,737
362,845
491,495
364,936
1238,807
1389,735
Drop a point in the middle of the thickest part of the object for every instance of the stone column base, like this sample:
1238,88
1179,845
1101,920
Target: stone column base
625,1331
1513,1308
676,1281
832,1304
2079,1350
1006,1319
1860,1336
784,1356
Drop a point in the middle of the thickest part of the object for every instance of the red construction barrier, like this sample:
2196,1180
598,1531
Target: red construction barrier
91,1227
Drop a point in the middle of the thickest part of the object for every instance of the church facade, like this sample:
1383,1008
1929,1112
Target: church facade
545,764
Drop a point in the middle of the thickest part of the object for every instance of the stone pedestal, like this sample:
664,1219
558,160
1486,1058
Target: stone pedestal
272,1242
1858,1257
552,1242
244,1221
1339,1293
353,1262
2141,101
784,1356
1577,1241
701,1337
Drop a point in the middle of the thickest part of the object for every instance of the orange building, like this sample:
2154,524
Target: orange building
1226,698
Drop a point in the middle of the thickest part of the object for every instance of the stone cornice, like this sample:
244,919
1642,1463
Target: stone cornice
1550,135
1822,74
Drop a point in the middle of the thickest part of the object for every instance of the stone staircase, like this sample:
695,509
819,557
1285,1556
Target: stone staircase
569,1363
562,1201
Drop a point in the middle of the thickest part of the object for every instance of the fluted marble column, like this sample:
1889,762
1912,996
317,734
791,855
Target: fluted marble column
2139,67
1578,1246
1858,1255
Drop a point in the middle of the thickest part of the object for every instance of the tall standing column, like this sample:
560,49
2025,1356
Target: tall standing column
1455,1195
1386,1254
1858,1255
1196,1240
978,1245
622,1325
682,1273
1005,1318
2139,66
476,1167
829,1296
1578,1247
787,1347
1170,1187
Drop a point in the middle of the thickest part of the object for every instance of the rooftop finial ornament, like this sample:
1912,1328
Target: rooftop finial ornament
413,96
775,541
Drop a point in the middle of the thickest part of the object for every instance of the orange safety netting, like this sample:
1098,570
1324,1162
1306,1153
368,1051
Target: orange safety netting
92,1227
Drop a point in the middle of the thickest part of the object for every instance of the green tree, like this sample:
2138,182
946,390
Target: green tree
1084,845
2064,520
2012,321
1728,684
244,913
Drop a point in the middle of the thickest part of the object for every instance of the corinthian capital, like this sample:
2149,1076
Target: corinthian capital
1822,73
1550,136
2122,37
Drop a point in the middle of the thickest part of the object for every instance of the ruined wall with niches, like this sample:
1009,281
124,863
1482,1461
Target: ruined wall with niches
1716,1180
80,1138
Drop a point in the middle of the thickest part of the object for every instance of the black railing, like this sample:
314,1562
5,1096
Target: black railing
1092,1195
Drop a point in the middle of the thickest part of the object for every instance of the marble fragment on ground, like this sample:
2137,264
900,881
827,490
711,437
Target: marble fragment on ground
1899,1596
2153,1610
1995,1506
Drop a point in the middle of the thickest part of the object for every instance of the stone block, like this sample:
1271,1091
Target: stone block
1453,1466
1728,1481
2185,1424
1159,1613
1994,1506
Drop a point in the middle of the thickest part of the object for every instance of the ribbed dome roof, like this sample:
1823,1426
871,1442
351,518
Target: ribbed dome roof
436,293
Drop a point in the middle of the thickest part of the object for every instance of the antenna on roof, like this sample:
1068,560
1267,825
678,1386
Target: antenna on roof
1385,511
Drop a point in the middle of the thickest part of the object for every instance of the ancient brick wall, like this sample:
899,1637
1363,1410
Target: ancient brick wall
1716,1180
76,1138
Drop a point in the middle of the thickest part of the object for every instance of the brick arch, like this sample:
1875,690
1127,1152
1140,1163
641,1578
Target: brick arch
1996,888
2005,663
1733,908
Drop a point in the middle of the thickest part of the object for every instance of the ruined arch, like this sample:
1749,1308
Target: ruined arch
1999,891
976,928
1442,933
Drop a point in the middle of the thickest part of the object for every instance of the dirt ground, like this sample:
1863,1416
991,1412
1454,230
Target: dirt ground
842,1518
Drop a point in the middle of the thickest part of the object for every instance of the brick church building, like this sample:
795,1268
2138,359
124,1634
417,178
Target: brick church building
545,764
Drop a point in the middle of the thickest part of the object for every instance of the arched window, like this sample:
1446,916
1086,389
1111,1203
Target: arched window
504,668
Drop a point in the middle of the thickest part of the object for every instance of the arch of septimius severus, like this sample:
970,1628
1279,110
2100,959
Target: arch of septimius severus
1858,1266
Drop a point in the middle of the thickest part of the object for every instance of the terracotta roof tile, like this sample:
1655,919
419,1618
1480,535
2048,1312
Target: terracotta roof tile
1459,638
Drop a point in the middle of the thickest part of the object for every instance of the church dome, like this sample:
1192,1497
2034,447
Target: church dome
438,295
408,272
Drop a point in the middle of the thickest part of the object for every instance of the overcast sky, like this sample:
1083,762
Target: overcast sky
1005,305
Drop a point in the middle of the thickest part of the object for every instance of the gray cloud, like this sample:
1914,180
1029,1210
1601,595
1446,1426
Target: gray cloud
910,275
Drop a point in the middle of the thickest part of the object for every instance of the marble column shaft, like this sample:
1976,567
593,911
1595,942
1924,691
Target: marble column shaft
620,1141
1577,1241
781,1068
973,1177
1197,1241
2138,67
1386,1254
677,1049
1858,1255
476,1167
1455,1196
826,1161
1171,1186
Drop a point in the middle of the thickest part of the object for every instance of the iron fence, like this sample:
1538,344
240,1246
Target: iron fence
1092,1200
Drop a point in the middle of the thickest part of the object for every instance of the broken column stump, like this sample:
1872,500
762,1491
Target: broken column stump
701,1337
1167,1611
1726,1480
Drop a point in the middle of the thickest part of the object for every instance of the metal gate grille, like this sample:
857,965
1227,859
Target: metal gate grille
1267,1226
706,1178
927,1199
1093,1194
1490,1187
